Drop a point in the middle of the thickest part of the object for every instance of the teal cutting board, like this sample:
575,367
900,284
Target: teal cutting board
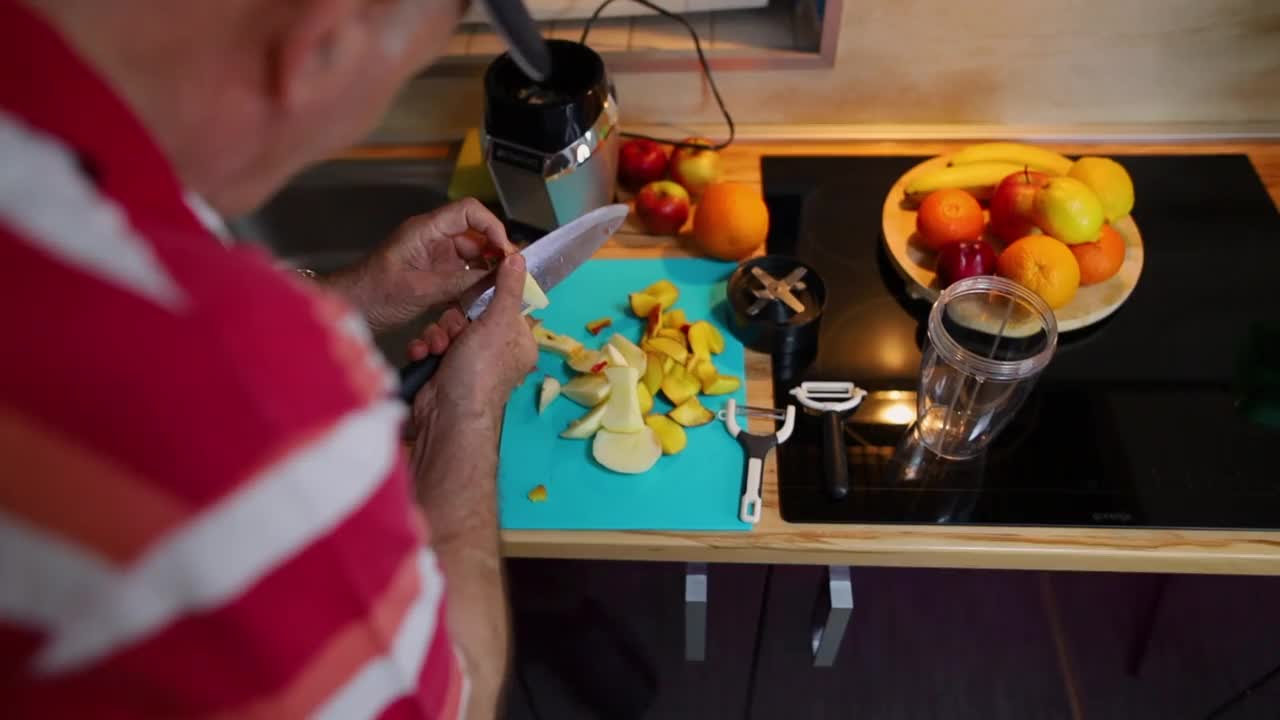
697,489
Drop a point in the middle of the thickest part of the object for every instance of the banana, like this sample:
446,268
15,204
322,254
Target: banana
979,179
1046,161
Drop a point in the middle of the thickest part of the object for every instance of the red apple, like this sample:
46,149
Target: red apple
695,168
663,206
1011,204
959,260
641,162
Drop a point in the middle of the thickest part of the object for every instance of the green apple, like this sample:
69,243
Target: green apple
1068,210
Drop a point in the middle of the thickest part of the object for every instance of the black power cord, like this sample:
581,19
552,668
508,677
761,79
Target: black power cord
702,60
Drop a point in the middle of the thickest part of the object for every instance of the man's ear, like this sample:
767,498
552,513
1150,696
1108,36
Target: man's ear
314,53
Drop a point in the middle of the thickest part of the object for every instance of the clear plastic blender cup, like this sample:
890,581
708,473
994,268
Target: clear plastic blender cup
989,338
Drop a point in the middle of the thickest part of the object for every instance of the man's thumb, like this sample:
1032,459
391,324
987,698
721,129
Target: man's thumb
508,286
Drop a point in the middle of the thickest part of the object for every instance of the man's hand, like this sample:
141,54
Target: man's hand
424,263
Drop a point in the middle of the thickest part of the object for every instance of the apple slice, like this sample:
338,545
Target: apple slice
666,292
715,340
587,390
586,360
615,357
674,319
691,413
671,334
667,364
562,345
533,297
549,392
653,323
721,385
653,373
670,434
678,386
630,453
669,347
585,426
595,326
643,303
633,355
646,398
706,373
622,411
700,339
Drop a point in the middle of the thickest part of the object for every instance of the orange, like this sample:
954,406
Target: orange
1044,265
948,216
1101,259
731,221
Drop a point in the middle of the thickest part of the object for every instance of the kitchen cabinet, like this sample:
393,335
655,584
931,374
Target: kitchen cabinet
1158,646
606,640
919,644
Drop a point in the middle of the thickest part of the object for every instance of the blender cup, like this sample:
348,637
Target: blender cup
989,338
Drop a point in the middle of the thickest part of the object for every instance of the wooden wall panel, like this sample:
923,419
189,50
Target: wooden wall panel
1200,66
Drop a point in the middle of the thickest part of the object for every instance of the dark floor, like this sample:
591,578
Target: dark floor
605,640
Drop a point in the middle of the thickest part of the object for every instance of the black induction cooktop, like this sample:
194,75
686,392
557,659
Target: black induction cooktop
1163,415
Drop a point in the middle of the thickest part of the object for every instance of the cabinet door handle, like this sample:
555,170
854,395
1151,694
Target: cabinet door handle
695,612
831,615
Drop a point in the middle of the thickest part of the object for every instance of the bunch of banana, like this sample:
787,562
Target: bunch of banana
977,169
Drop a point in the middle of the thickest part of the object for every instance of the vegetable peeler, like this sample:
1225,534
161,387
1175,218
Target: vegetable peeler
757,448
832,399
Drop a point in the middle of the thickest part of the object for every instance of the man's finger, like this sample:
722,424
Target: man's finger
467,218
453,322
508,288
418,349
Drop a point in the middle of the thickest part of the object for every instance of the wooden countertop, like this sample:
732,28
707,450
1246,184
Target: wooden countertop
1044,548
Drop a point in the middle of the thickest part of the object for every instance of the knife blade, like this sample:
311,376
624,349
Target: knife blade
549,259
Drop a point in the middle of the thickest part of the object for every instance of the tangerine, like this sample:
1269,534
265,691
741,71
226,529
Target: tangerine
1044,265
731,221
948,216
1101,259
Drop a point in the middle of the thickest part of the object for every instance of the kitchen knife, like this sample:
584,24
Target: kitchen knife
549,259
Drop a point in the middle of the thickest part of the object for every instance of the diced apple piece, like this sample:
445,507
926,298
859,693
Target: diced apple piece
622,411
646,398
549,392
632,353
691,413
587,390
700,338
705,371
672,334
629,453
715,340
562,345
666,292
674,319
670,434
595,326
669,347
585,426
538,494
615,357
643,303
533,297
678,386
653,372
721,385
585,360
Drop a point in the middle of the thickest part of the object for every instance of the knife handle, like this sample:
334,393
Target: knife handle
416,374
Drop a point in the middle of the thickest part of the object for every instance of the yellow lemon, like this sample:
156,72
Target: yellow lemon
1109,181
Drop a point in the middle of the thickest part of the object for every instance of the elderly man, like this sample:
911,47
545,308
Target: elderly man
204,508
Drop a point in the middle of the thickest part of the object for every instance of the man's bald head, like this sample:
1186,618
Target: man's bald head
241,94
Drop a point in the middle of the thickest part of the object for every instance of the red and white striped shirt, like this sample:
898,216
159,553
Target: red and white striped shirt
204,507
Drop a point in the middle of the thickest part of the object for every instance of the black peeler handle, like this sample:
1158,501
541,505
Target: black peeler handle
835,457
416,374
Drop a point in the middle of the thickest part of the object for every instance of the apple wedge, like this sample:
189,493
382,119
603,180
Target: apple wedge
633,355
562,345
691,413
587,390
615,357
721,385
674,320
630,453
666,292
643,303
715,340
586,360
671,436
622,411
678,386
671,334
548,393
532,296
585,426
705,372
646,398
676,351
700,339
653,373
